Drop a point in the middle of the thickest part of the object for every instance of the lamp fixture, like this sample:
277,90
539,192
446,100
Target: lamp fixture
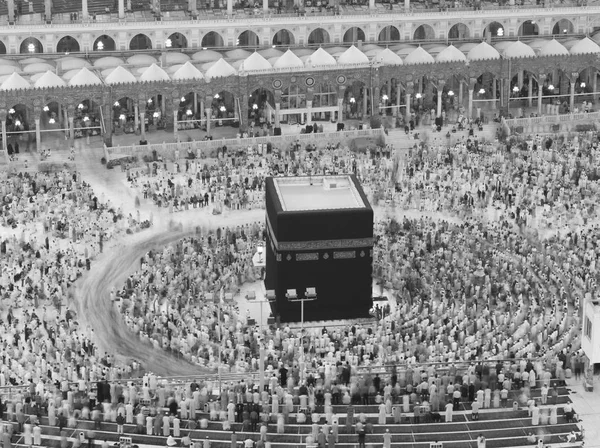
117,104
418,96
168,43
155,114
550,87
481,91
11,111
100,45
385,97
46,109
255,106
188,112
515,89
122,117
52,121
450,93
352,100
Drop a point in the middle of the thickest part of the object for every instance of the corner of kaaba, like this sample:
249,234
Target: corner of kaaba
319,245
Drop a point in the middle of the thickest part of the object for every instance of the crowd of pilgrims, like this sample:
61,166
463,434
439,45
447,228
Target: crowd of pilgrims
53,226
500,272
236,179
505,275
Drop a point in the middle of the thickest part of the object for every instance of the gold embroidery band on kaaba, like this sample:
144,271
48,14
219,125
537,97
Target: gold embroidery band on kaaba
287,246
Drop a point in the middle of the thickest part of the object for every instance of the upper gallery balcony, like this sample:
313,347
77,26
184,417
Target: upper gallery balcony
63,12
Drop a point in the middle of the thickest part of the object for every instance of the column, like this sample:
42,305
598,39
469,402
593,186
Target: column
163,106
108,123
407,5
11,10
201,111
48,9
408,91
121,9
143,126
266,6
594,85
460,93
572,97
530,90
38,135
71,130
470,109
84,9
136,118
192,6
208,113
365,104
277,119
230,7
520,76
502,94
195,103
371,4
440,90
398,98
175,124
494,86
541,78
308,112
4,136
340,102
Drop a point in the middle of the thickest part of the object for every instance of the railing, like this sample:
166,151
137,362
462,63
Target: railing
552,119
167,150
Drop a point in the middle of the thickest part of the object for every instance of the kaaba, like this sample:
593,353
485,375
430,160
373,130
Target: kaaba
319,235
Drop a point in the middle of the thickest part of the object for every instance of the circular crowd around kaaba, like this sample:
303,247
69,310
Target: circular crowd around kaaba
484,253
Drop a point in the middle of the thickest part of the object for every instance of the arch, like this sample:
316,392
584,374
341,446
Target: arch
389,34
529,28
353,35
17,118
123,115
67,44
248,39
140,42
223,105
283,37
176,40
354,100
31,45
324,94
424,32
494,29
189,114
261,104
87,119
318,36
212,39
51,118
459,31
2,48
293,97
105,43
563,26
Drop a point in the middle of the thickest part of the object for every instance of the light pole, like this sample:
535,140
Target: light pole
292,296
